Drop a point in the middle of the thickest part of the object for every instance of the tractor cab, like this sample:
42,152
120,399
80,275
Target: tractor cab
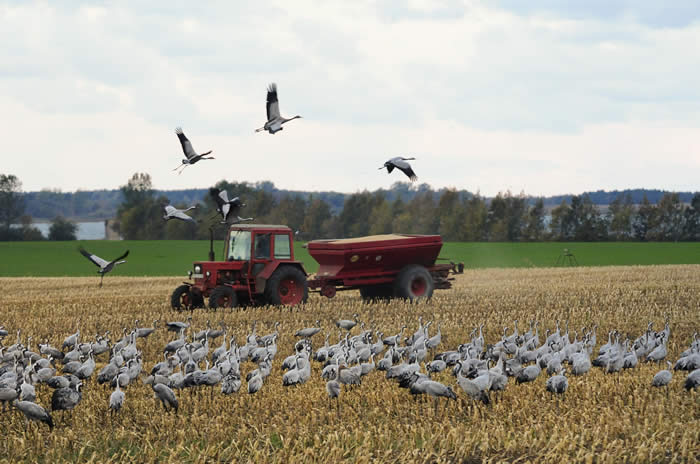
258,268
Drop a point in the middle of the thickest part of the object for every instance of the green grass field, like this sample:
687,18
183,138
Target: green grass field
175,257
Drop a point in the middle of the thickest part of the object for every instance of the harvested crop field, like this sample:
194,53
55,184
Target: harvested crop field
601,418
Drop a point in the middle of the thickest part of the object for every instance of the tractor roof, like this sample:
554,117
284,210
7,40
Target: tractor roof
259,226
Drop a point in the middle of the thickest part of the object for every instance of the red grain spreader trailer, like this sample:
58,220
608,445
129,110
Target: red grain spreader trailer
380,266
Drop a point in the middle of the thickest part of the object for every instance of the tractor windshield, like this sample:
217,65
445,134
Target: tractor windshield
239,245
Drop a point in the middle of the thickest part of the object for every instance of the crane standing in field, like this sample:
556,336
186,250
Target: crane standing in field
105,266
400,163
191,155
274,120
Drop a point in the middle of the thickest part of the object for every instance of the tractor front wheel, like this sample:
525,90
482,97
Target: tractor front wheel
222,297
286,286
181,298
413,283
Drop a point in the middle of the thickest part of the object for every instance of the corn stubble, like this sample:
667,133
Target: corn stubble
601,418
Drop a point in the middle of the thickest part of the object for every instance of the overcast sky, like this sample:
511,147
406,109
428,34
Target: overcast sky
533,96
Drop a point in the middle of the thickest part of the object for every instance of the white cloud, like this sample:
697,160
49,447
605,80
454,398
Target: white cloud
487,96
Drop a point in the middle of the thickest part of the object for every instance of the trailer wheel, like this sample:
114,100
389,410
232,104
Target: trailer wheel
413,283
377,293
181,298
222,297
286,286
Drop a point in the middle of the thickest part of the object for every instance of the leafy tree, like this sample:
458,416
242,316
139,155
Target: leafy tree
475,217
644,220
356,215
620,216
691,229
586,220
450,215
27,232
137,190
317,213
506,216
560,227
534,227
382,218
669,219
11,206
62,229
140,216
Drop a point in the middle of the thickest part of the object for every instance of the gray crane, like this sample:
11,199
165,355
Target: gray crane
478,388
693,380
309,332
528,374
558,383
166,396
662,378
191,155
401,163
105,266
333,388
65,399
255,383
274,119
143,332
231,383
181,214
71,340
660,352
34,412
347,324
177,326
116,399
8,395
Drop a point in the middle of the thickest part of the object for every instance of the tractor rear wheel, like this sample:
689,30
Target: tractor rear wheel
286,286
377,293
413,283
181,298
222,297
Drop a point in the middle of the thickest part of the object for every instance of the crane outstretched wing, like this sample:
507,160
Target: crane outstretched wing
409,172
215,195
186,144
405,167
181,215
170,210
99,262
122,256
273,105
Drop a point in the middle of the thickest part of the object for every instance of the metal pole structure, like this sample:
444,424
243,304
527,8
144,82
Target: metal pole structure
212,256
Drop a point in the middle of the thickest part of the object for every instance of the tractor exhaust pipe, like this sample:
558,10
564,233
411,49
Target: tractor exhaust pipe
212,256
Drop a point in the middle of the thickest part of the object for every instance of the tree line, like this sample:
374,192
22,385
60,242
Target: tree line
456,215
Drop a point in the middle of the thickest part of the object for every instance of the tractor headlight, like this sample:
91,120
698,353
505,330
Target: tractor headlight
189,274
208,274
198,269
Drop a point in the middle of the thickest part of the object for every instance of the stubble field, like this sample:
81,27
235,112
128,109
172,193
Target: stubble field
601,418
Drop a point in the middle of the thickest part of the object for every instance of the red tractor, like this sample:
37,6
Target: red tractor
260,268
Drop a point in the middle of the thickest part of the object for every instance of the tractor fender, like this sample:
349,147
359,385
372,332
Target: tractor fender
269,269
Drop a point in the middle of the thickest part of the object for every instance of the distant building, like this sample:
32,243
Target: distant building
110,233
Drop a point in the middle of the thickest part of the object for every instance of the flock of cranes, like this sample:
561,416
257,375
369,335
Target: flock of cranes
411,362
